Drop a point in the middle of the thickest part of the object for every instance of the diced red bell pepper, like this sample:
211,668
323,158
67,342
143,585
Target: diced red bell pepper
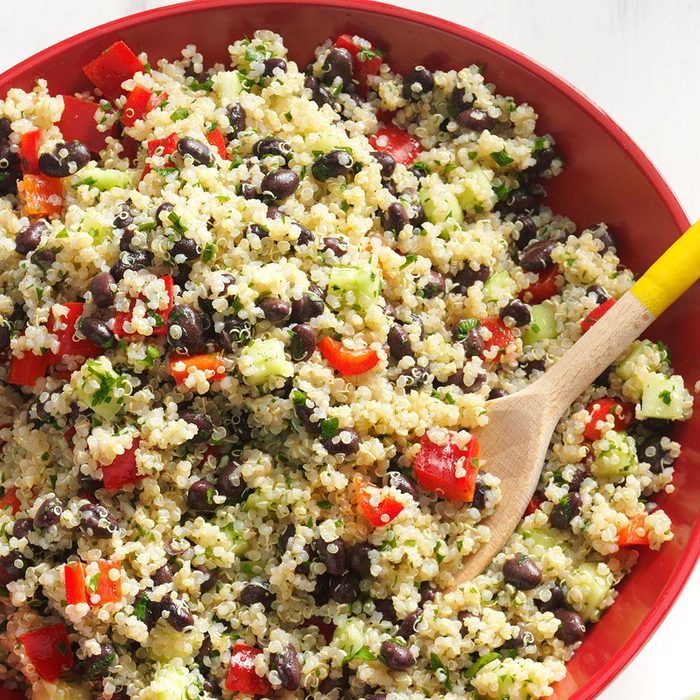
397,143
597,313
25,370
216,139
43,196
121,317
68,343
78,123
242,677
436,468
501,335
111,68
74,580
543,288
122,470
160,147
11,694
347,362
535,502
600,409
140,102
631,534
10,500
180,366
366,61
29,152
49,651
378,510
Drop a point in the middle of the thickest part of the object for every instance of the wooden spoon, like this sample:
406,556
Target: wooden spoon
515,441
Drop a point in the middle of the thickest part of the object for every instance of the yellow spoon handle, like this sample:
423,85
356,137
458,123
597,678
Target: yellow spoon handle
671,274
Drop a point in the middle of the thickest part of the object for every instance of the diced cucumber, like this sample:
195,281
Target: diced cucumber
263,360
476,190
238,546
227,86
499,288
166,643
350,636
543,325
91,224
664,397
439,203
358,286
100,388
614,455
43,690
172,683
542,538
103,178
644,356
594,582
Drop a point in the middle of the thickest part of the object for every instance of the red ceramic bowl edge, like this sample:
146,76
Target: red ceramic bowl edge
680,576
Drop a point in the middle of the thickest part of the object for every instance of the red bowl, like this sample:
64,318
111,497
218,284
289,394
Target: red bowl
607,178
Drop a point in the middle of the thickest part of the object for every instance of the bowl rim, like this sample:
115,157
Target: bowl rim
686,563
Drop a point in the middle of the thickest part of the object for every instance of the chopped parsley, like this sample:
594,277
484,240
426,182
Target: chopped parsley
329,427
209,252
465,327
502,157
665,396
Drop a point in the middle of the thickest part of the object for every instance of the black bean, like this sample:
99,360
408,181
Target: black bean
376,696
88,484
43,258
162,575
332,554
10,169
479,498
345,442
537,256
234,333
468,276
598,293
22,527
13,567
29,237
272,147
544,159
475,119
385,607
48,513
333,164
256,592
177,612
521,639
200,496
386,161
230,483
126,239
270,65
322,589
275,310
360,561
658,425
497,393
567,508
5,128
459,101
338,66
518,311
135,261
577,479
426,592
651,452
305,236
527,232
520,202
531,366
434,285
606,238
97,521
556,600
203,423
185,249
305,409
303,342
343,589
319,94
408,625
416,215
417,83
97,331
279,184
415,377
397,657
199,152
521,572
288,667
97,666
309,306
236,118
124,218
464,616
65,159
185,330
571,628
337,246
390,185
398,342
328,685
473,344
403,484
162,213
5,335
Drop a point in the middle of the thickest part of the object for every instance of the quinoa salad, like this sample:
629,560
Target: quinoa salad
251,316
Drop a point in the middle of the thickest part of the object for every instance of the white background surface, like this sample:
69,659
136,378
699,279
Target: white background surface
637,59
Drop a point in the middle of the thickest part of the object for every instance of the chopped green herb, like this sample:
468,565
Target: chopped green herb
440,670
502,191
465,327
665,396
325,505
329,427
363,653
409,260
367,54
93,583
502,157
209,252
147,226
178,114
177,222
480,663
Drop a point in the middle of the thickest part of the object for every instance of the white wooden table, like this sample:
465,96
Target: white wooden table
637,59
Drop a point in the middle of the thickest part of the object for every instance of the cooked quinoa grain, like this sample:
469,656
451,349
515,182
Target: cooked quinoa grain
247,344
